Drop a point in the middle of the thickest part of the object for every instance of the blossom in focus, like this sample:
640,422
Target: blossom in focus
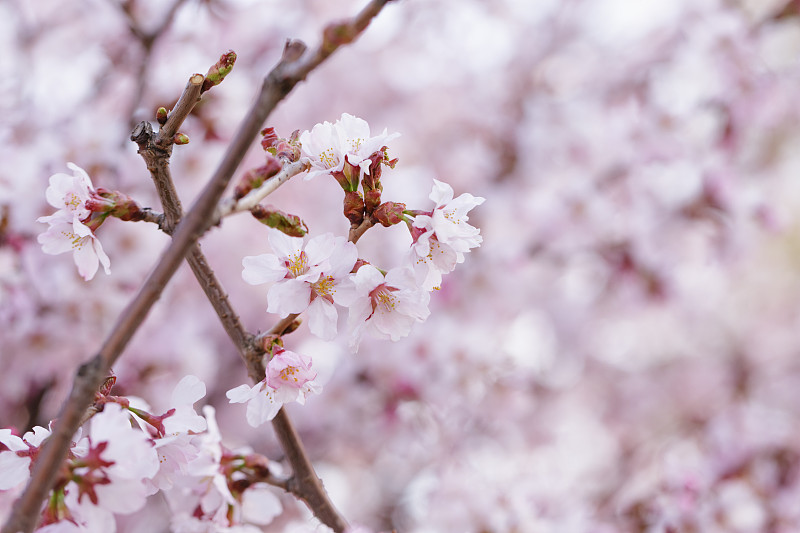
443,236
67,230
64,236
289,378
431,258
69,194
328,145
387,307
448,220
307,277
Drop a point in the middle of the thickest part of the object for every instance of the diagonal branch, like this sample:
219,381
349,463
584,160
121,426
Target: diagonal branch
293,67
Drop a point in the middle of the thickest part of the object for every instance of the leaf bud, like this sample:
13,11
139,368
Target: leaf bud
219,70
290,225
255,177
161,115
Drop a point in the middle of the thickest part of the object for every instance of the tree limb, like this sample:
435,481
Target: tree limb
293,67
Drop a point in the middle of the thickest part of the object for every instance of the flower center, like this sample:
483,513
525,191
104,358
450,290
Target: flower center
297,264
450,216
355,144
289,374
72,200
328,158
324,287
382,297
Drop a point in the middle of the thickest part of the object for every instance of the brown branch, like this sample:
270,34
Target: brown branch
290,70
184,106
357,231
231,205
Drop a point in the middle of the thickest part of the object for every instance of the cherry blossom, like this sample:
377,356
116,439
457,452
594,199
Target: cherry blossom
289,378
203,500
330,146
386,306
431,258
307,277
448,220
69,194
15,462
177,447
184,419
64,236
129,457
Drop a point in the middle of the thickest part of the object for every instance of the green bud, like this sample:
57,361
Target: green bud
161,115
290,225
219,70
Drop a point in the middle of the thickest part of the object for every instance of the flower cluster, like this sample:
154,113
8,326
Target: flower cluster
326,271
128,454
325,274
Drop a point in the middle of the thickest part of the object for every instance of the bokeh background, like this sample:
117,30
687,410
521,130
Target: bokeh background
621,354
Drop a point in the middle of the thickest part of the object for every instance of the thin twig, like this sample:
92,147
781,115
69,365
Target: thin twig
249,201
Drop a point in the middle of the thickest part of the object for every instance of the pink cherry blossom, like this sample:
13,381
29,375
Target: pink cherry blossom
327,145
131,454
431,258
65,235
177,448
185,419
69,194
15,462
385,306
448,219
307,277
289,378
202,500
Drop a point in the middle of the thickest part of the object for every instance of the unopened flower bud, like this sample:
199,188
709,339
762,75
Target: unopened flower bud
372,199
288,149
219,70
347,178
115,204
290,225
372,179
255,177
354,207
161,115
389,213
